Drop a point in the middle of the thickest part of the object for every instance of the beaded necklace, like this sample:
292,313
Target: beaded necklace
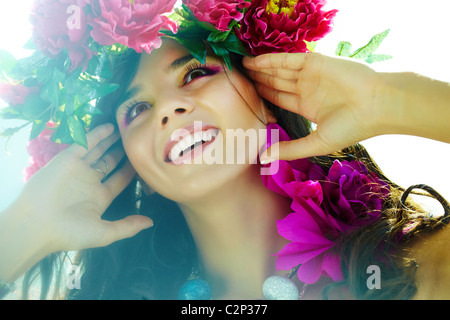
274,288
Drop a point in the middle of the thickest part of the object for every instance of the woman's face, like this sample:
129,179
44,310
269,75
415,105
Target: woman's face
175,103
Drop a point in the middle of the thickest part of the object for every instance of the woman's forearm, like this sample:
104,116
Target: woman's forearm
415,105
22,241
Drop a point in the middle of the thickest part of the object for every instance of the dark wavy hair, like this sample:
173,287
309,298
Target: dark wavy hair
155,263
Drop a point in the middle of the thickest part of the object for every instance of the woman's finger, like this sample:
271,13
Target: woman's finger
286,74
286,100
274,81
98,150
118,181
309,146
294,61
108,161
128,227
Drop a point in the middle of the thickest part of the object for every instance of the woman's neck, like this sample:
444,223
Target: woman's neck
236,233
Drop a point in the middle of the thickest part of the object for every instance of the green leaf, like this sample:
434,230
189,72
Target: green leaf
99,65
12,131
62,133
377,58
343,49
368,49
7,63
34,107
218,36
77,131
222,52
28,65
10,113
233,44
311,46
36,130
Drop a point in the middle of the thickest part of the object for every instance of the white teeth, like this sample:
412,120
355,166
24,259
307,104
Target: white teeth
190,140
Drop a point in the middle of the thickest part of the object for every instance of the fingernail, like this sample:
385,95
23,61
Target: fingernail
267,160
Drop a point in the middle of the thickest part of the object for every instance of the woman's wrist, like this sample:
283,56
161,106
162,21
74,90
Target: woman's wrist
413,105
22,241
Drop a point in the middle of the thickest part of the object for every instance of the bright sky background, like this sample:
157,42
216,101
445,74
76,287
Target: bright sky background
418,41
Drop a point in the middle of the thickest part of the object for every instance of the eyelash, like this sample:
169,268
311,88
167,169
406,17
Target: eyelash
197,66
188,71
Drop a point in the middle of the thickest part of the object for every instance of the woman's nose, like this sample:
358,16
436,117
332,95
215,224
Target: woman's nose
172,112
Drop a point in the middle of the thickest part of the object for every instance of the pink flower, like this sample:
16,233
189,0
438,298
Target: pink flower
283,25
218,13
325,206
135,24
352,194
56,26
312,234
15,94
41,151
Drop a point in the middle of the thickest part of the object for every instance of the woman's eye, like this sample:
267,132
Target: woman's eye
137,109
196,73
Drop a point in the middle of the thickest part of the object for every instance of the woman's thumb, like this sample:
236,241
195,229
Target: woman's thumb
306,147
124,228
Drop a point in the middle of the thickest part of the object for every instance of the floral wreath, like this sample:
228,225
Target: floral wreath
54,91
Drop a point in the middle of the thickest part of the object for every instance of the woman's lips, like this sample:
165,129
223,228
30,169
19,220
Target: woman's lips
184,143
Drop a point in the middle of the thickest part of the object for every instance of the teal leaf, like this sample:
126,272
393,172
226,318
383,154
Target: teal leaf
10,113
34,107
368,49
12,131
7,63
233,44
343,49
377,58
77,131
37,128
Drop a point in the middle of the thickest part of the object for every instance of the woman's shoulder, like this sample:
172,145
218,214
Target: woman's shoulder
431,252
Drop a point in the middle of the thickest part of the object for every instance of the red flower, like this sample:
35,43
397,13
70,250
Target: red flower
217,12
41,151
56,26
135,24
284,25
15,94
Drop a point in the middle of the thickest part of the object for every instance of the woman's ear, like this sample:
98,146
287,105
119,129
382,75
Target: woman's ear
268,115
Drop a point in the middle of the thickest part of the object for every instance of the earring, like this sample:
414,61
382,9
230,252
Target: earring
138,196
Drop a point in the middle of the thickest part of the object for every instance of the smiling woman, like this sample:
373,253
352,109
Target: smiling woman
150,221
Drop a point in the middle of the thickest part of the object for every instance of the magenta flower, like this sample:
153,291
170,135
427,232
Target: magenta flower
325,206
218,13
312,234
352,194
15,94
284,25
135,24
55,29
41,151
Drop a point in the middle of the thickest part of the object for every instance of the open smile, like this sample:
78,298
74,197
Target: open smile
189,142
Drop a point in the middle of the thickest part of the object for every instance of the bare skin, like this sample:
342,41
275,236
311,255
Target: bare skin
43,221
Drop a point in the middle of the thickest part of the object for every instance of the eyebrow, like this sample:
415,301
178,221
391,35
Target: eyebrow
178,63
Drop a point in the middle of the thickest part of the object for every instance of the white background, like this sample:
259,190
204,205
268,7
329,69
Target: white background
418,41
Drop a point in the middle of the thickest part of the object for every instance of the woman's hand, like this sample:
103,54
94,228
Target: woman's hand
60,207
348,101
336,94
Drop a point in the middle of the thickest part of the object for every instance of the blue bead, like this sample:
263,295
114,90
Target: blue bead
280,288
195,290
